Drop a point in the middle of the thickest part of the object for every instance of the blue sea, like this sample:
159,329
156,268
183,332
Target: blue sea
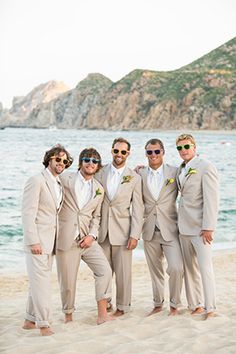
23,151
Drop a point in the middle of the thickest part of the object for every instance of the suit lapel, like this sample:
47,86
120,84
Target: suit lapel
50,186
71,181
193,166
145,183
125,172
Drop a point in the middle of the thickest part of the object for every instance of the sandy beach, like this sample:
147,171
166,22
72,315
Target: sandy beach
131,333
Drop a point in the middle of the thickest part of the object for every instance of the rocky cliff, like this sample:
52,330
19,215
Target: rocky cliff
198,96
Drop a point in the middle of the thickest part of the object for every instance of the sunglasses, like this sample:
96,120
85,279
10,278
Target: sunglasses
186,147
116,151
91,160
60,159
150,152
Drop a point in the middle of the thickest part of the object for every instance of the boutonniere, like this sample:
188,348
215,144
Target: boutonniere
98,192
191,171
126,179
170,181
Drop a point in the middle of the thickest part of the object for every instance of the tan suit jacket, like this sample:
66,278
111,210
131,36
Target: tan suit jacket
39,213
163,210
198,205
72,218
122,217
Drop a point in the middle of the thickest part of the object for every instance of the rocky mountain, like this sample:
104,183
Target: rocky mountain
200,95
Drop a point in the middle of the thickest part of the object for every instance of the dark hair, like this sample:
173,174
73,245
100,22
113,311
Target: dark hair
154,142
121,140
54,151
90,152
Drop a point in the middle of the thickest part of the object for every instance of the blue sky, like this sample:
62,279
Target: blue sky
65,40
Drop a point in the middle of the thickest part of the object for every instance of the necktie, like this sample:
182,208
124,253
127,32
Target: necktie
154,185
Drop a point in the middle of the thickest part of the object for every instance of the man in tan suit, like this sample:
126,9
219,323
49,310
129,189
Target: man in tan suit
198,208
160,231
78,230
43,195
122,219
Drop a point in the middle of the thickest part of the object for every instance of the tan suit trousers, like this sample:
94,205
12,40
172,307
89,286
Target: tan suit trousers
67,266
38,308
198,272
155,250
120,259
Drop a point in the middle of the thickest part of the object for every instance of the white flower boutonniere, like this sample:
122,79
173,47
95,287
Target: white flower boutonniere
98,192
170,181
191,171
126,179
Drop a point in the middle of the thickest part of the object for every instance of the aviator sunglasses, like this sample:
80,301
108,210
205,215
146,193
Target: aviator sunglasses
60,159
90,159
116,151
186,147
150,152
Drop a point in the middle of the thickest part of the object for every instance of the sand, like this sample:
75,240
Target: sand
131,333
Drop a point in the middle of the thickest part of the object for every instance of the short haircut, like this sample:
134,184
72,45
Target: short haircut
186,137
90,152
154,142
55,151
121,140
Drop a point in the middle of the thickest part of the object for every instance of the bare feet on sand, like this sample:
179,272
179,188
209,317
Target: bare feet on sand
118,313
173,311
29,325
210,315
68,318
198,311
46,331
155,310
103,319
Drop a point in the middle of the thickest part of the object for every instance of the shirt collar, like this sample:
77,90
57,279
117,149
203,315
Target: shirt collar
82,179
119,171
189,164
159,170
53,178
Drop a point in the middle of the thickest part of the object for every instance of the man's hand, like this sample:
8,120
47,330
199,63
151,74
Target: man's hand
207,236
132,243
138,168
86,241
36,249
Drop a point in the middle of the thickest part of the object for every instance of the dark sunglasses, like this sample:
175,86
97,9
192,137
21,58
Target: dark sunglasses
150,152
186,147
90,159
116,151
59,159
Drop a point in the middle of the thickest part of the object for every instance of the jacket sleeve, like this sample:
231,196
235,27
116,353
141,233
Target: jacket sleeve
210,186
30,204
137,210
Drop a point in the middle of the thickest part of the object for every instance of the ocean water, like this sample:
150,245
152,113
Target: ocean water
23,150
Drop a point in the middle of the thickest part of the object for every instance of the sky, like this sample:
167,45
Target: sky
65,40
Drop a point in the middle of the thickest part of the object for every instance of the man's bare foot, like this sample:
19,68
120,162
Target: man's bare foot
29,325
210,314
68,317
103,319
173,311
118,313
155,310
46,331
198,311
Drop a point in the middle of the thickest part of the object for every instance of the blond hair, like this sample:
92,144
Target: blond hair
186,137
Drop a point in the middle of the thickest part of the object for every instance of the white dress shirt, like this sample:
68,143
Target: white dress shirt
57,187
155,181
83,190
113,180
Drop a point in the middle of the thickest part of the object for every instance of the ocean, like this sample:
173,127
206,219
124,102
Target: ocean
24,150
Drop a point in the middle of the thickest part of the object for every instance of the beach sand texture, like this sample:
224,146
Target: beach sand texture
131,333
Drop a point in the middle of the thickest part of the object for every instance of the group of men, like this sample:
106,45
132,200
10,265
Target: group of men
98,214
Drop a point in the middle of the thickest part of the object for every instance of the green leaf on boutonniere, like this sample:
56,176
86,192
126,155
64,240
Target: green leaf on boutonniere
98,192
126,179
170,181
191,171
